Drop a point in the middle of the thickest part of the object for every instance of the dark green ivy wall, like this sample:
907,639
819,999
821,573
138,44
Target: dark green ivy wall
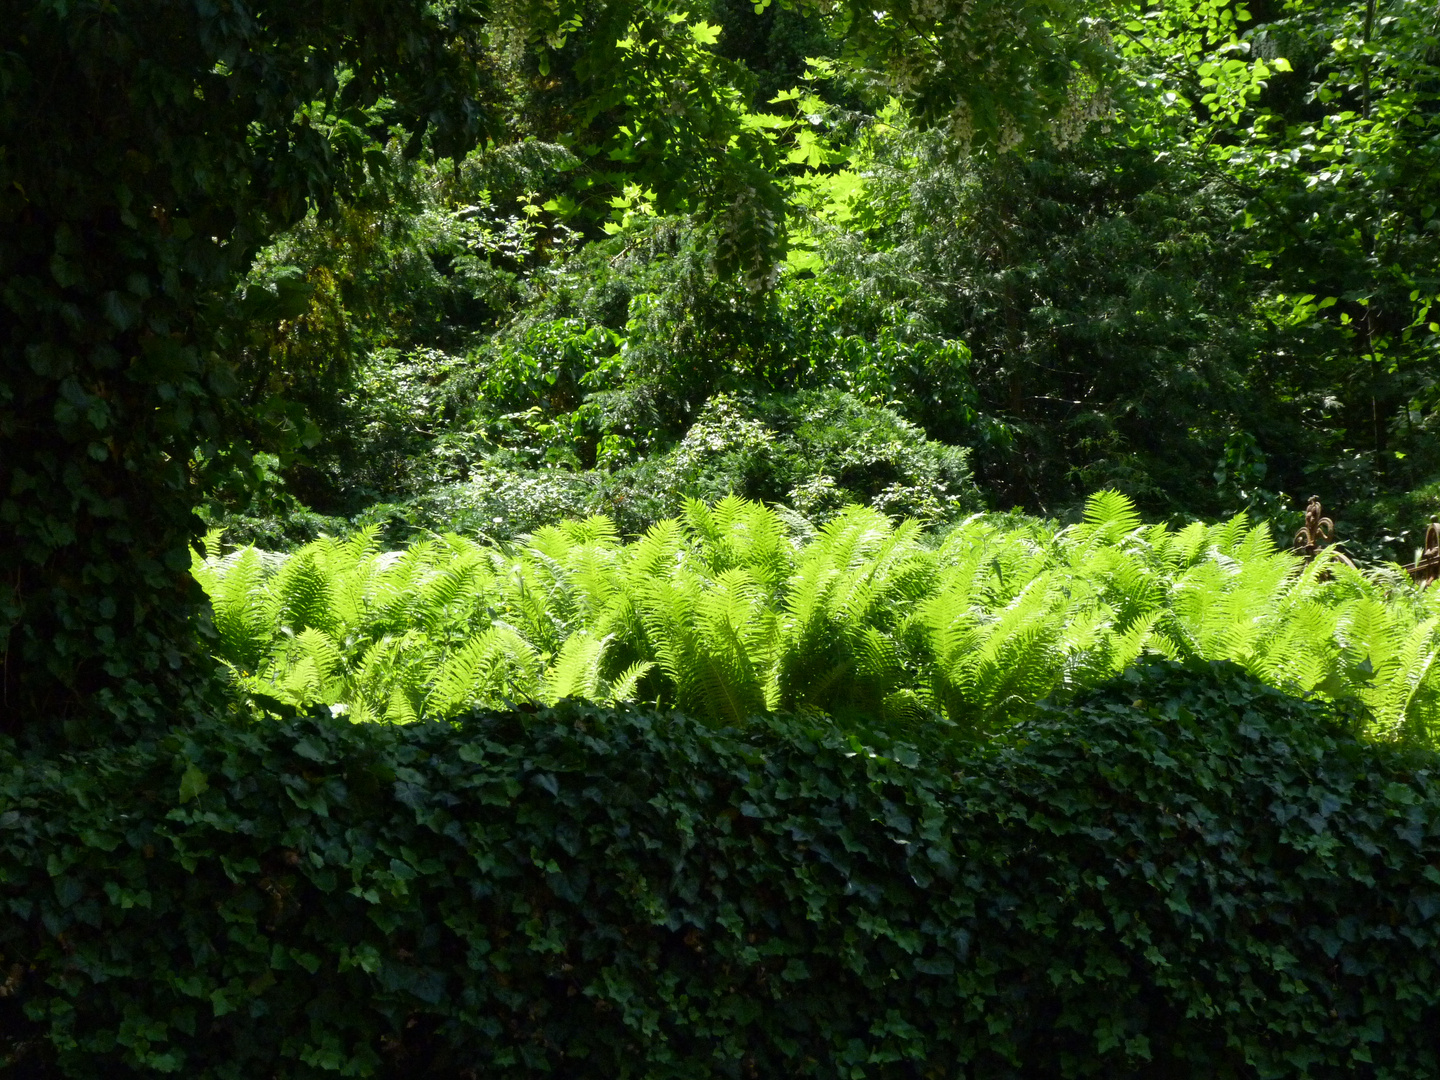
1182,875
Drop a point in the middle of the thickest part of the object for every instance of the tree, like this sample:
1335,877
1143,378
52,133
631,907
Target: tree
151,146
1318,119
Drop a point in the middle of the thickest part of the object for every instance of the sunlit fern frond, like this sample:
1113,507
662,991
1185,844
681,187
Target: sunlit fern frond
549,548
360,712
896,575
1130,644
302,593
1188,546
1135,589
1192,601
308,670
576,672
243,612
530,600
1399,695
1109,516
738,641
626,685
657,554
450,594
1016,667
852,537
596,529
362,544
1085,644
707,528
350,593
319,648
859,573
1013,564
1365,631
553,577
879,668
495,667
203,563
401,706
811,643
762,546
1258,544
594,577
714,639
1299,652
394,590
986,665
1228,536
665,609
405,661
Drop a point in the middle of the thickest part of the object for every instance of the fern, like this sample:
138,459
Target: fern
496,667
303,591
241,608
1109,517
734,608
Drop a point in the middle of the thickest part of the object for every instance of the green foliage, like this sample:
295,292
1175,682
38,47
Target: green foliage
393,291
948,66
1095,287
738,608
1212,261
621,357
1318,121
1184,874
1228,252
644,119
816,451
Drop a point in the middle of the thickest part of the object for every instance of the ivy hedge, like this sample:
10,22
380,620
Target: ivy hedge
1181,874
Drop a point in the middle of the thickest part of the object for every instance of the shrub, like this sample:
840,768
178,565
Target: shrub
815,451
130,208
1184,874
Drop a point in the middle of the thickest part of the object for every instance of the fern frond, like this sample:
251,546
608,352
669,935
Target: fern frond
302,591
626,685
400,708
496,667
1109,516
242,610
576,671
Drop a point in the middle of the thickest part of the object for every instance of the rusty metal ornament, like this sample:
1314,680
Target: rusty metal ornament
1316,530
1426,570
1319,530
1315,533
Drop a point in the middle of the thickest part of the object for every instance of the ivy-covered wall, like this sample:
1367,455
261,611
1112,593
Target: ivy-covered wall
1184,874
151,148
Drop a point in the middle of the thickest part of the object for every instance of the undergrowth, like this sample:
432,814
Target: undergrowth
737,608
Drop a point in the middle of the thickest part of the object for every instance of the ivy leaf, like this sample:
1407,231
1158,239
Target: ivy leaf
192,783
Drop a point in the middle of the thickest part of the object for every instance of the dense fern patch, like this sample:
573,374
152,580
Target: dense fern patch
738,608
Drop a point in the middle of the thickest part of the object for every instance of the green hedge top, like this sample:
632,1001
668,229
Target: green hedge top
1183,874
